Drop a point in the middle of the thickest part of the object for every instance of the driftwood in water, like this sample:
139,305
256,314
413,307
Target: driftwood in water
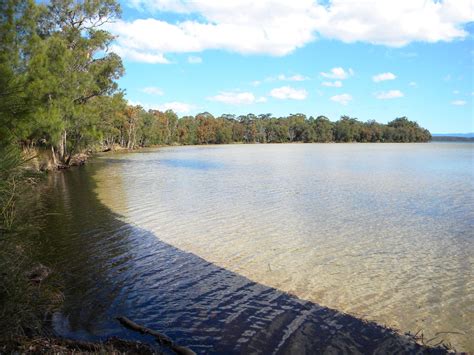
160,338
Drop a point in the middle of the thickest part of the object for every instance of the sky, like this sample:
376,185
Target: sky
370,59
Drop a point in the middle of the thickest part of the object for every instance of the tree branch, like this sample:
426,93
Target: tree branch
160,338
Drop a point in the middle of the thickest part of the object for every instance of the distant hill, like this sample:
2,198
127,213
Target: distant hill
461,135
436,138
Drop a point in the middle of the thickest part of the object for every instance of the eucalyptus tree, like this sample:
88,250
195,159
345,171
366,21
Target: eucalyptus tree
17,28
70,68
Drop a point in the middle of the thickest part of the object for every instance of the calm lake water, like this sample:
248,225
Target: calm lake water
200,241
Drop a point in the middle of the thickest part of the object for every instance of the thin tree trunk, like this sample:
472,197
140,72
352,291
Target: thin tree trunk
63,147
53,153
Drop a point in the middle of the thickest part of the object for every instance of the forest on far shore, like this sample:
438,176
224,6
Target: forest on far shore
139,128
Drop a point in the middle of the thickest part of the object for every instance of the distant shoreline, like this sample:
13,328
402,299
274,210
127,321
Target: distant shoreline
451,139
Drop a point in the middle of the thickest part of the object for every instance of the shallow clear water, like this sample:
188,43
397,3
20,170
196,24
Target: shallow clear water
383,232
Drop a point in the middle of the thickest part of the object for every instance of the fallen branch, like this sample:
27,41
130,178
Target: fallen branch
160,338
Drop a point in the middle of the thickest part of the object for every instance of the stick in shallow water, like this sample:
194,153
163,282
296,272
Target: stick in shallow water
160,338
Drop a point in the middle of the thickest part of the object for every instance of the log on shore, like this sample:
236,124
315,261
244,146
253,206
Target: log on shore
160,338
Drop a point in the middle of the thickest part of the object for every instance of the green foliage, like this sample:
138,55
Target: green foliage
54,68
10,177
57,81
136,127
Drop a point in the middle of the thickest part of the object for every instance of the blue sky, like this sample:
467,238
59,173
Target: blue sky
369,59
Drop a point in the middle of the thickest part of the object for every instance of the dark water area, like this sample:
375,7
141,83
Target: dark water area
110,268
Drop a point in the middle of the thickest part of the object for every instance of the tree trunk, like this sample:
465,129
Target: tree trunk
63,147
53,154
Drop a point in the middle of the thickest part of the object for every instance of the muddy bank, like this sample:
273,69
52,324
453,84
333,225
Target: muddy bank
42,159
46,159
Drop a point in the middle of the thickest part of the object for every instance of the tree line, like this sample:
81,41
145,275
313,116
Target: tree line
144,128
58,89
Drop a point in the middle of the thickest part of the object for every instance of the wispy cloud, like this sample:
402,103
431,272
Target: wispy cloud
391,94
287,92
236,98
296,77
458,102
334,84
412,84
280,77
138,55
192,59
383,77
176,106
152,90
342,99
338,73
408,54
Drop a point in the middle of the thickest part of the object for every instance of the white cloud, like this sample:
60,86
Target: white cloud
296,77
274,29
408,54
136,55
383,77
397,23
280,77
412,83
458,102
391,94
287,92
151,90
455,92
343,99
334,84
236,98
278,27
192,59
338,73
176,106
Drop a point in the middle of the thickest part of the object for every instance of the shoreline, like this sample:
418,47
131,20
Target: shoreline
41,159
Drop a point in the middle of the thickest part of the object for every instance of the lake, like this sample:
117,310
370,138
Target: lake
239,248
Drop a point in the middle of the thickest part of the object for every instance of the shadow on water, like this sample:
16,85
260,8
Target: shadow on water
111,268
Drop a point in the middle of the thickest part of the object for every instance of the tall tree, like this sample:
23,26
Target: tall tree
69,69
